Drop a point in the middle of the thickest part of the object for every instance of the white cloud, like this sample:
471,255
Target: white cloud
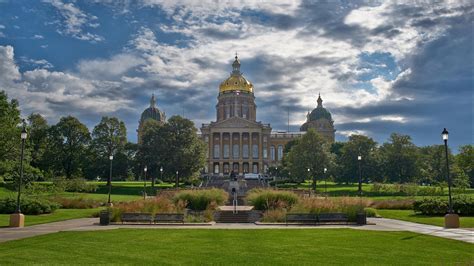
38,37
109,68
74,21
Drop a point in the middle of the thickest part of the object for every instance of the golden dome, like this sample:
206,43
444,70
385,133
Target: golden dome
236,81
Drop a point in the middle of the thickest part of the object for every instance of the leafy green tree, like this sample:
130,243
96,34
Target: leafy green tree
348,164
175,146
465,161
68,141
37,138
311,152
400,159
109,138
433,164
9,128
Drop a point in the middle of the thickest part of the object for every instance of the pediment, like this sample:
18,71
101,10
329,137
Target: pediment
236,122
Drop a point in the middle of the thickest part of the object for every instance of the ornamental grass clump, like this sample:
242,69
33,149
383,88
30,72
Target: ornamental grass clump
76,203
268,199
159,204
348,205
200,200
397,204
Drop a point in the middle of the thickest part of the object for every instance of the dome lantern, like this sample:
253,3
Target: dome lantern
236,82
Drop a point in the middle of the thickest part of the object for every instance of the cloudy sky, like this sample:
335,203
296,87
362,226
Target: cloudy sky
380,66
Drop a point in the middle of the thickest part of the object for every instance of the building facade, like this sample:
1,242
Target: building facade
236,141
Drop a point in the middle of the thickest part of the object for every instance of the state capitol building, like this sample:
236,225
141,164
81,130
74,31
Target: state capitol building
236,140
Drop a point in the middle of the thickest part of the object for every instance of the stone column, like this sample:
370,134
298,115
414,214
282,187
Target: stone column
250,152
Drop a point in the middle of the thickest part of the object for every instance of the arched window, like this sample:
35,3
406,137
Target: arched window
272,153
280,152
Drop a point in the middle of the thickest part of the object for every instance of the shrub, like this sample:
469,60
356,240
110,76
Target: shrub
267,199
463,205
76,203
348,205
371,212
29,206
274,216
159,204
74,185
404,204
199,200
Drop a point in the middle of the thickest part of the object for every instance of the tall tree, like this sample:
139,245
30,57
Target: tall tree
9,128
465,161
109,138
175,146
348,164
400,159
38,138
433,164
67,144
311,152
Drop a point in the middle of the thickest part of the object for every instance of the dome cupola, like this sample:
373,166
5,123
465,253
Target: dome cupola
152,112
236,82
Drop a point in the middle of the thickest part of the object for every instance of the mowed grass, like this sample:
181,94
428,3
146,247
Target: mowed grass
58,215
243,247
411,216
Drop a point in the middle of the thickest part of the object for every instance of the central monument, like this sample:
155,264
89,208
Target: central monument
236,140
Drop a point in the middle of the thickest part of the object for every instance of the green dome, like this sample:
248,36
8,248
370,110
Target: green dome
152,112
318,113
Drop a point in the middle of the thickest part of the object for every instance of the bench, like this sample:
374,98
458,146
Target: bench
169,217
136,217
301,217
332,217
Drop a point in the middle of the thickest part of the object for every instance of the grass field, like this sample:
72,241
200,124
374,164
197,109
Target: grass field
244,247
58,215
411,216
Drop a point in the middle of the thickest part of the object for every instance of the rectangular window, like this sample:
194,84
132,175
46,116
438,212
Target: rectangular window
245,151
235,151
216,151
255,151
272,153
226,151
280,152
264,151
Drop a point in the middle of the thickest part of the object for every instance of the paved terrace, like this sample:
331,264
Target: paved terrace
378,224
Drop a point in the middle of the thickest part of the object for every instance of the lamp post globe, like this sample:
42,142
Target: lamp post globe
451,219
17,219
325,185
161,173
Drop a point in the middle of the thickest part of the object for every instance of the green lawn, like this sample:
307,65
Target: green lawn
244,247
58,215
409,215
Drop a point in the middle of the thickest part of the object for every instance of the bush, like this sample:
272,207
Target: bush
199,200
29,206
76,203
463,205
74,185
274,216
348,205
371,212
267,199
404,204
159,204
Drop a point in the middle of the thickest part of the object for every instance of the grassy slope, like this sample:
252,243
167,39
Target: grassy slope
248,247
409,215
58,215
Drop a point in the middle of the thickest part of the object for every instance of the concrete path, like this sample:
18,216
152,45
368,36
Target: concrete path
377,224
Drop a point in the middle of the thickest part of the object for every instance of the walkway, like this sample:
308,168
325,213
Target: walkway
378,224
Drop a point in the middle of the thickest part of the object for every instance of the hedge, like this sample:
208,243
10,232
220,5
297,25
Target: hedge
462,205
29,206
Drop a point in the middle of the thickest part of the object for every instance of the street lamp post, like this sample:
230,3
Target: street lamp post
359,159
451,219
161,173
17,219
144,182
177,179
325,185
109,181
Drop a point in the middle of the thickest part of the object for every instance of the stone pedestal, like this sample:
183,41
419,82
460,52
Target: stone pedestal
17,220
451,220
